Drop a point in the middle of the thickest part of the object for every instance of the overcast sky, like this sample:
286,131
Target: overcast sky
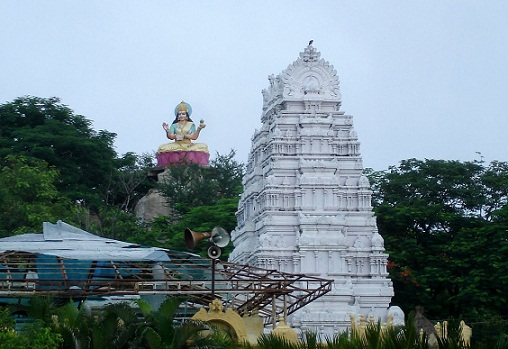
422,79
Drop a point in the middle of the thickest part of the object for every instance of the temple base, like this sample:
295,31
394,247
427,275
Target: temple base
182,157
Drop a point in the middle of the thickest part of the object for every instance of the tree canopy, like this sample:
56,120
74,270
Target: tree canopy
28,195
189,185
201,198
54,165
444,224
48,130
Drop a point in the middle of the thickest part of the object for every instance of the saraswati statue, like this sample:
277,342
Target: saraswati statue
183,131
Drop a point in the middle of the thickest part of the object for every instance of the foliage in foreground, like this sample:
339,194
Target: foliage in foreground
375,337
121,326
35,335
116,326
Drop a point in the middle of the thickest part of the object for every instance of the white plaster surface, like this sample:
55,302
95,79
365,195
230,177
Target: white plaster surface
306,207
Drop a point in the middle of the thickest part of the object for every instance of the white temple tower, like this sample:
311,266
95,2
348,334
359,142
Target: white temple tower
306,207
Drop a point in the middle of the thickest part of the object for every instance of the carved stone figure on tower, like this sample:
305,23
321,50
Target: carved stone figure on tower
183,131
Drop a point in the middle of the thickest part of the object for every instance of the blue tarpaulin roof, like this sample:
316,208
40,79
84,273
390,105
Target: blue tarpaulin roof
67,241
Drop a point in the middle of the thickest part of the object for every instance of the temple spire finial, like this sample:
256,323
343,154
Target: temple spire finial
310,54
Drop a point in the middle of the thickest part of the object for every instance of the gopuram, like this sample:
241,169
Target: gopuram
306,207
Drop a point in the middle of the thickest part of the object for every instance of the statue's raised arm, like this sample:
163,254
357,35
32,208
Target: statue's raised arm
183,131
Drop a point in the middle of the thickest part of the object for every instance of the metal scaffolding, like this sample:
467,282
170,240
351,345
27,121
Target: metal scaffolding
241,287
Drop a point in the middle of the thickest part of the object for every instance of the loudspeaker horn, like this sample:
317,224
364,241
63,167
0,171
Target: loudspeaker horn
214,252
193,237
218,237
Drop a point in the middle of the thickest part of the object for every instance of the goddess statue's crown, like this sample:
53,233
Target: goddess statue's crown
183,106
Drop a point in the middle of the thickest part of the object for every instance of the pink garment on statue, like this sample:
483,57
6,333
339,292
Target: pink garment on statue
175,157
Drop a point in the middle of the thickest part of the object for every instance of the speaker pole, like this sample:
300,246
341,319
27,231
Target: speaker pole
218,238
213,278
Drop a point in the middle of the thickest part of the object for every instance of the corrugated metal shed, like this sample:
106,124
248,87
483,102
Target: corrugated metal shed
66,241
67,262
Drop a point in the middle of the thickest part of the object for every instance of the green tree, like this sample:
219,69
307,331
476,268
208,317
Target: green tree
7,322
161,331
444,225
111,222
28,195
229,174
130,182
56,167
201,198
113,326
48,130
35,335
189,185
201,219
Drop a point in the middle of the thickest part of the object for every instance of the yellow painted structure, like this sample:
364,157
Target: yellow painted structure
229,320
284,331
